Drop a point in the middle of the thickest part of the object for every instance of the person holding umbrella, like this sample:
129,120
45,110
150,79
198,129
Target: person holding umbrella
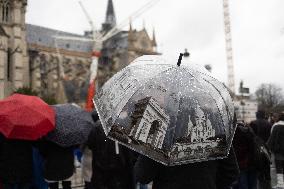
178,116
72,128
58,164
87,158
16,163
38,179
215,174
112,164
23,119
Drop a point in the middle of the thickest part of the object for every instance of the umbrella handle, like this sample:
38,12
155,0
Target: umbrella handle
116,147
179,59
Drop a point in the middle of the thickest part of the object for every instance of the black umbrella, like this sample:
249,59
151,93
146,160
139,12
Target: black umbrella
72,125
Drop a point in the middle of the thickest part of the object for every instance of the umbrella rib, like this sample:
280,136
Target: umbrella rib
213,86
143,65
179,97
211,95
227,109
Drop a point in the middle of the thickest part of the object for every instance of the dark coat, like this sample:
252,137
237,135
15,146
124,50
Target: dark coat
110,170
218,174
16,161
58,161
243,146
261,128
276,140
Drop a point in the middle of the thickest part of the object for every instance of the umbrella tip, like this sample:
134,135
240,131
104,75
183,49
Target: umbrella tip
179,59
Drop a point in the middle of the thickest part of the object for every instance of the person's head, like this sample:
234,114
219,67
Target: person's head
274,117
260,114
281,117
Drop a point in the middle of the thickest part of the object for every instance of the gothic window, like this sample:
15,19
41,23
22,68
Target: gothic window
43,67
9,66
5,11
1,10
43,70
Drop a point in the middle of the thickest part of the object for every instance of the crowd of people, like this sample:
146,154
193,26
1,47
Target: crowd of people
256,148
32,165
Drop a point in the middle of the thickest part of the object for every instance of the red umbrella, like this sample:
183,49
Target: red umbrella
25,117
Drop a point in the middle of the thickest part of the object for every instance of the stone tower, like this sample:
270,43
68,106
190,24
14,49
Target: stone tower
110,20
122,48
14,68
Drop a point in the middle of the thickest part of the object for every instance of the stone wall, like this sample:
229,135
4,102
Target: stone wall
13,58
60,75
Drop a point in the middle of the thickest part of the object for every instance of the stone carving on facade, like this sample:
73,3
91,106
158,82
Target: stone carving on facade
3,45
46,71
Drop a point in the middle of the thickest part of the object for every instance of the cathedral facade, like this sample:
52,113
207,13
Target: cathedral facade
58,68
33,56
14,64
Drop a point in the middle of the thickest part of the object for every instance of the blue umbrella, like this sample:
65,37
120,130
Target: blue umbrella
72,125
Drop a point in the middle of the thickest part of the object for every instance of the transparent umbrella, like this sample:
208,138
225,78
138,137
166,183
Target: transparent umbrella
172,114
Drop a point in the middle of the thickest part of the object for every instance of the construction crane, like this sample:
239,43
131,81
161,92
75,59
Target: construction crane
229,50
98,41
98,38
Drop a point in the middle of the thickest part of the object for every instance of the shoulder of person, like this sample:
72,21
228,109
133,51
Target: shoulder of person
279,123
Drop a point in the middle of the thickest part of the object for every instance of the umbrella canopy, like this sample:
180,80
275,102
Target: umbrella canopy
25,117
72,127
172,114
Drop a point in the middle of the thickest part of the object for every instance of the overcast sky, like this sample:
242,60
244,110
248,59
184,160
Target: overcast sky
257,31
